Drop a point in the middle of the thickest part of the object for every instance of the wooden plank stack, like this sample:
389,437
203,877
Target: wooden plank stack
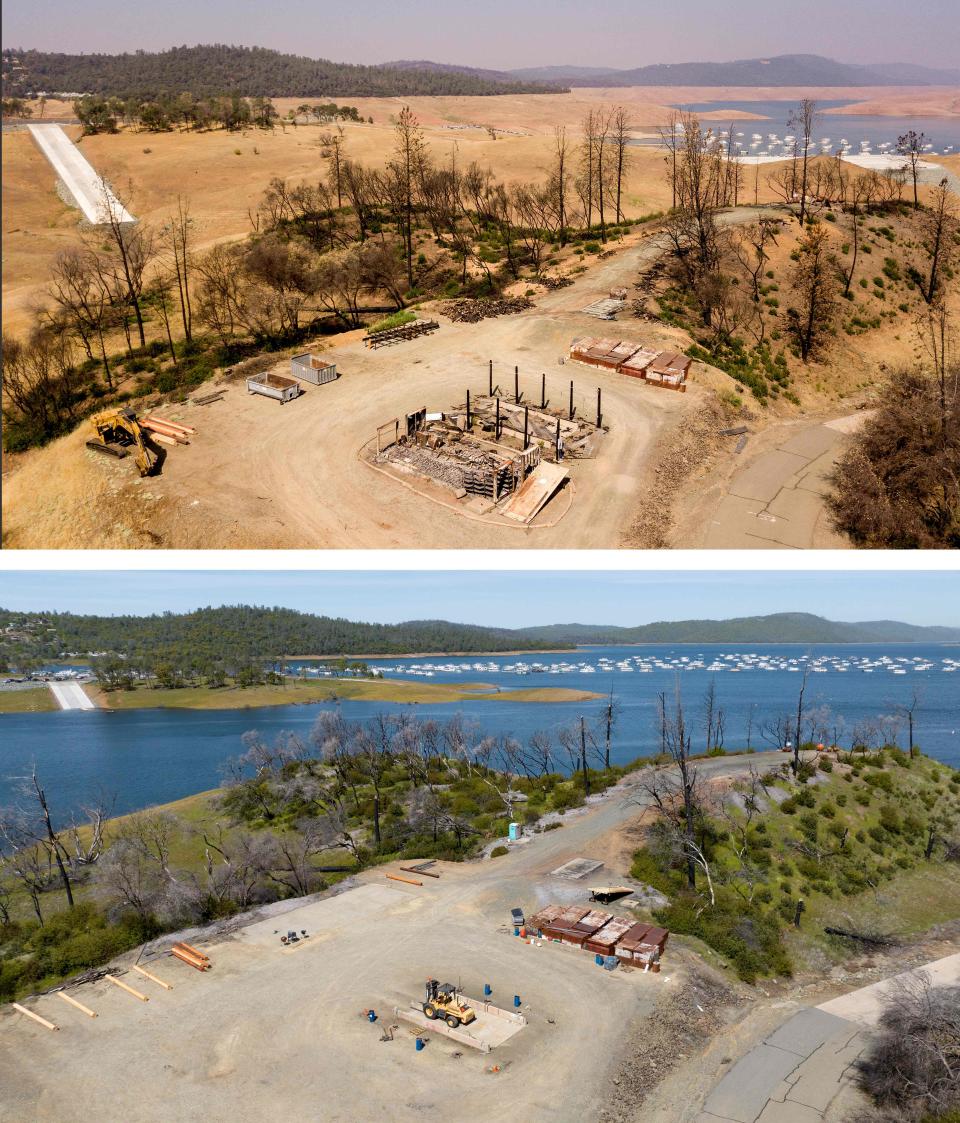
191,956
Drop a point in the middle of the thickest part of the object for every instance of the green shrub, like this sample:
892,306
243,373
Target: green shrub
745,934
499,851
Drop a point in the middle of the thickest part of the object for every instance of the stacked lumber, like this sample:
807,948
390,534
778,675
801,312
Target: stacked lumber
191,956
400,333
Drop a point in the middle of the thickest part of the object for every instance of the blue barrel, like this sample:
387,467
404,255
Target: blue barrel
598,959
486,990
516,931
371,1016
516,1000
419,1044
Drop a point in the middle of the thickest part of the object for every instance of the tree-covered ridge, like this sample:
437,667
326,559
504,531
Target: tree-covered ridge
240,635
216,69
237,634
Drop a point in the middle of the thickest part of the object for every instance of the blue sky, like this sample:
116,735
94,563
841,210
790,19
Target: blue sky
504,598
503,33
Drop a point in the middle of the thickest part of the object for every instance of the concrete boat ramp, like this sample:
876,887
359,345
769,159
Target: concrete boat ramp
89,190
71,696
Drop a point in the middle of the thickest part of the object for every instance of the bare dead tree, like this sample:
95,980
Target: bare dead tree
938,237
132,245
814,285
611,711
621,141
409,159
676,791
804,120
175,238
912,144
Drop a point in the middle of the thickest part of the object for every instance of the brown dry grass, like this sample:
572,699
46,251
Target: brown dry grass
224,174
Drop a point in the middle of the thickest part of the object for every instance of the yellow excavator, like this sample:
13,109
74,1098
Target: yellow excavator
443,1001
117,433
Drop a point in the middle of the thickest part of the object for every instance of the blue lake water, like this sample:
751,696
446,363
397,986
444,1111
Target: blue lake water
144,757
943,133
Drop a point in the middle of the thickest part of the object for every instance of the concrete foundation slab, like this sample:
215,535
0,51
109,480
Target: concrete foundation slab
577,868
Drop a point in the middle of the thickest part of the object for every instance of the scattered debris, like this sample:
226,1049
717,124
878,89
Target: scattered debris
553,283
473,311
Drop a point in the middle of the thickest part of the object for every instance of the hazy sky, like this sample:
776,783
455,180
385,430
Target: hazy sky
504,33
506,599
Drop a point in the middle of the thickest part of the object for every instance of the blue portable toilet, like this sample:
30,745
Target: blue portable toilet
514,832
516,1000
598,959
419,1044
487,991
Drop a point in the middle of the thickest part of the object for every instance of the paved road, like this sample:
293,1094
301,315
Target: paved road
801,1073
864,1005
71,696
804,1071
776,500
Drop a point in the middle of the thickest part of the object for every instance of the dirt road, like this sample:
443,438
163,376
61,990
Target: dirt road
263,475
275,1033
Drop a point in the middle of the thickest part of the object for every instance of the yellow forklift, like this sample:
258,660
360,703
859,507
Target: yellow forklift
117,433
443,1001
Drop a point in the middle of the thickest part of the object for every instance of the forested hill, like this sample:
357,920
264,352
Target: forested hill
238,634
210,71
243,633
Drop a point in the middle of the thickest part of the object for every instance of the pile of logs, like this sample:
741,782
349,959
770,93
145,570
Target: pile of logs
166,432
191,956
472,311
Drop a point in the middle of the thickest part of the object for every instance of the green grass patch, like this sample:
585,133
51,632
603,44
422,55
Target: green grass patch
396,320
33,700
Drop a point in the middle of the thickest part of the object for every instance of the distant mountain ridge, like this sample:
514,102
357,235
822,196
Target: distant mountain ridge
779,70
782,627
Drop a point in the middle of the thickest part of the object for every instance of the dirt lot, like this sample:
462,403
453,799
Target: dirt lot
263,475
271,1033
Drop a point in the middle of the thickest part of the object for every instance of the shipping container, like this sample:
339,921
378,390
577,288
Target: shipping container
313,368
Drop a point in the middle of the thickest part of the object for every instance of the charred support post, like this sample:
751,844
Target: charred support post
469,420
496,427
556,442
571,399
490,378
599,413
526,427
543,391
516,385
